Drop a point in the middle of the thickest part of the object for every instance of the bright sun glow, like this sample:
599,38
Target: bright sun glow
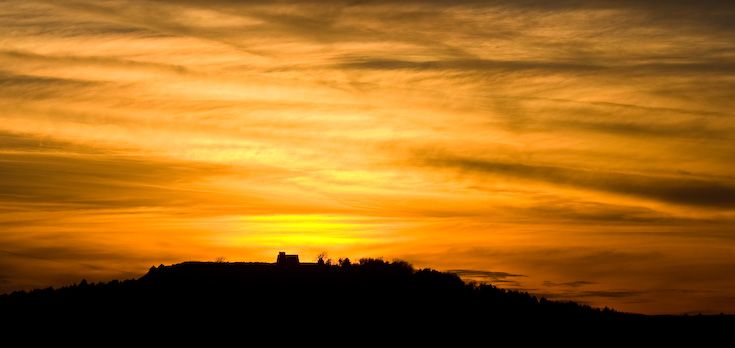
309,230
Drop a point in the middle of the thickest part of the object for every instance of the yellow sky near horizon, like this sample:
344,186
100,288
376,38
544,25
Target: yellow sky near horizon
576,150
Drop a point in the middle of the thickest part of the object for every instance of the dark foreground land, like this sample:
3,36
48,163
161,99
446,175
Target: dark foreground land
370,300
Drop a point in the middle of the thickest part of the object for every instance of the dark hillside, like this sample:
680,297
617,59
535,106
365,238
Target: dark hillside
365,297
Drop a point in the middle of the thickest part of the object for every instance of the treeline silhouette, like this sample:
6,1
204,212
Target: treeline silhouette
372,295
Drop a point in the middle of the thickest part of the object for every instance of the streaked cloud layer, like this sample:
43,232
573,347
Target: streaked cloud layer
577,150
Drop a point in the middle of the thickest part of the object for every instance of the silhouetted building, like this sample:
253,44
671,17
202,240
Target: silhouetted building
287,260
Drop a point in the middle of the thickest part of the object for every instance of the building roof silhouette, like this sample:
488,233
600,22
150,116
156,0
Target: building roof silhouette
287,260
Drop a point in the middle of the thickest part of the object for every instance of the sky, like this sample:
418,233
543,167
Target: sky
576,150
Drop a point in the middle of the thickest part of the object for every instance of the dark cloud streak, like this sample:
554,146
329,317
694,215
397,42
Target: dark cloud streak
718,67
476,64
495,277
574,284
685,191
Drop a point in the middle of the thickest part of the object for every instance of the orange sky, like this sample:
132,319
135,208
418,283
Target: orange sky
580,150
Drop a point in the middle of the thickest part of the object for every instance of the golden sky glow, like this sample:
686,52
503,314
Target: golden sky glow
578,150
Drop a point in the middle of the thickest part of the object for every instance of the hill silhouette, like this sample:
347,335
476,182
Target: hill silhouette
369,298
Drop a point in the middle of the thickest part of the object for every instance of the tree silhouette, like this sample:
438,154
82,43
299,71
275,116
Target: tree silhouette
320,258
